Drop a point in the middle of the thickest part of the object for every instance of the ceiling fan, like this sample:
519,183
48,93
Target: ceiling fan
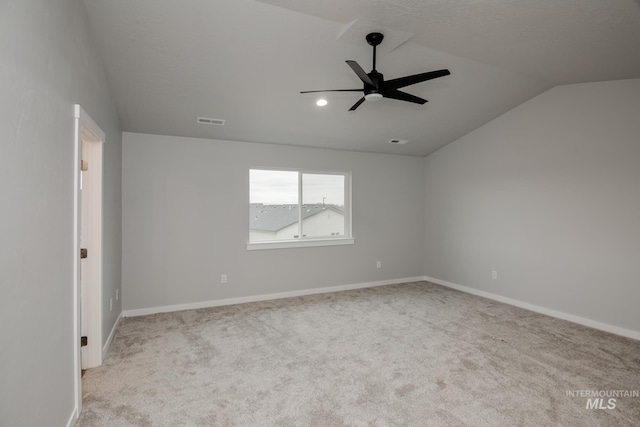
376,88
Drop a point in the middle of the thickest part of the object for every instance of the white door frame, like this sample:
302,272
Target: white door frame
86,129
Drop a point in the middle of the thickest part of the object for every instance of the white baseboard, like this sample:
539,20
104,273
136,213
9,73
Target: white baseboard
538,309
73,418
265,297
107,343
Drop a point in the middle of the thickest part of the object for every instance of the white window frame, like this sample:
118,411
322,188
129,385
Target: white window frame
305,242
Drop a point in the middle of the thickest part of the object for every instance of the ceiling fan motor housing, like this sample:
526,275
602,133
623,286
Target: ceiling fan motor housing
377,79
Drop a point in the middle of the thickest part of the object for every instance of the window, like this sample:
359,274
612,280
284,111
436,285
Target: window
289,208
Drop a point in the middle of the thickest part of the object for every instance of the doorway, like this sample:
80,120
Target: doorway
88,176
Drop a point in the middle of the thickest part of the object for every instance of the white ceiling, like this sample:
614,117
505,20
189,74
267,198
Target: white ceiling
246,61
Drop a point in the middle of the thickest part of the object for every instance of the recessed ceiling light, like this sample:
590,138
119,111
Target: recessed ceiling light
321,102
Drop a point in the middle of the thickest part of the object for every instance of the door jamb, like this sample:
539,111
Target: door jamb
84,123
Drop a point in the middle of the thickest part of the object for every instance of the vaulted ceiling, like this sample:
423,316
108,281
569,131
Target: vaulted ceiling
243,61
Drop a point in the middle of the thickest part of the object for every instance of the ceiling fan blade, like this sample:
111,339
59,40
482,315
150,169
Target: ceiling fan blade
333,90
357,104
360,72
416,78
403,96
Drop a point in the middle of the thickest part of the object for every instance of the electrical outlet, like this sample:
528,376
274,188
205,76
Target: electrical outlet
224,278
378,264
117,294
110,304
494,274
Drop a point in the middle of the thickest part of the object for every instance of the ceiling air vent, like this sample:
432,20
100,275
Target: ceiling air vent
398,141
208,121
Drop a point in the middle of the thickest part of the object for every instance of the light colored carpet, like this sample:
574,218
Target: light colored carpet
401,355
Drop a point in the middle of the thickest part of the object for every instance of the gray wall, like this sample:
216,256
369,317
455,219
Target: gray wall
185,221
47,63
549,196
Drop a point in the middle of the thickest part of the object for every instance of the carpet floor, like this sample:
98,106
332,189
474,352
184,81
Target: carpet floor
414,354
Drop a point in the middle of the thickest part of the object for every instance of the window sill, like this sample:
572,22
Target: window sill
306,243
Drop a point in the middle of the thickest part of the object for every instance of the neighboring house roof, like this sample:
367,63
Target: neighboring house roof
276,217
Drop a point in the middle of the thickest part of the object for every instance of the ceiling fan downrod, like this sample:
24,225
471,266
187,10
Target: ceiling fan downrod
374,39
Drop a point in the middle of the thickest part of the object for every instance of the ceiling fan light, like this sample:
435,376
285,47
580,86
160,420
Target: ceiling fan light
373,97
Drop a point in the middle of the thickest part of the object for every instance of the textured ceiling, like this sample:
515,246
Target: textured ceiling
561,41
245,61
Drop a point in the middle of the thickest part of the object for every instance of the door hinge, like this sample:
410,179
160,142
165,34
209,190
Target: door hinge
84,165
84,253
83,341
